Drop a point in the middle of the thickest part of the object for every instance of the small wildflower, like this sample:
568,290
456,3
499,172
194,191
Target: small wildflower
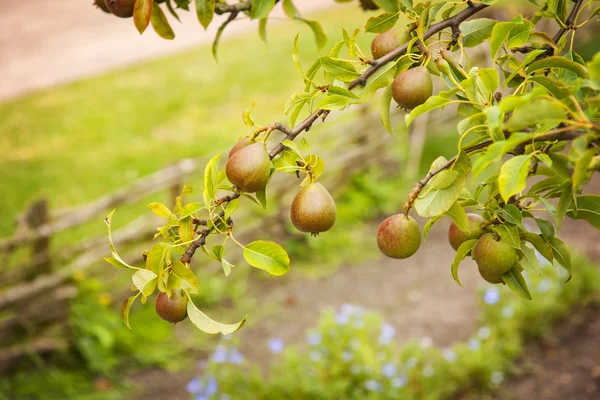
276,345
194,386
342,319
314,339
373,385
389,370
387,333
220,355
484,332
211,386
235,357
474,344
399,382
449,355
491,295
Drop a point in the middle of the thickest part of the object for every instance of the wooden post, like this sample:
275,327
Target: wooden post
38,215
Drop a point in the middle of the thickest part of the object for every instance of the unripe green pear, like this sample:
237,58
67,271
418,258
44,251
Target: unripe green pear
491,277
388,41
173,309
399,236
121,8
368,5
313,209
243,142
456,236
101,5
493,255
412,88
249,167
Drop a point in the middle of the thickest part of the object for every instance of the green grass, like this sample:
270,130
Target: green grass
75,143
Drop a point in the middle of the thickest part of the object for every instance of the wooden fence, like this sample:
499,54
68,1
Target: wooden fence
25,313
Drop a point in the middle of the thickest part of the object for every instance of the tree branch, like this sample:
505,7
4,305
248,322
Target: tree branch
569,22
453,22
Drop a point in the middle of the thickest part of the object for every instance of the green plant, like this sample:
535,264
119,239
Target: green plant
538,95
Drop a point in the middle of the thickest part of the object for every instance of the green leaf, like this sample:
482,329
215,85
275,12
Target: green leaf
386,101
429,224
262,29
564,203
190,209
562,254
126,307
339,69
546,228
388,5
210,177
160,23
583,171
161,210
509,234
500,33
515,281
218,251
145,281
540,245
261,8
476,31
115,260
205,324
292,12
187,280
186,229
439,101
558,62
142,12
513,176
155,259
511,214
205,10
556,88
461,253
588,209
268,256
381,78
381,23
529,261
459,216
538,111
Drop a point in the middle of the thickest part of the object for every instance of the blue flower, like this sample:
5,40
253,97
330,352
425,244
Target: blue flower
544,285
449,355
373,385
315,355
387,333
342,319
389,370
508,312
220,355
484,332
211,386
201,396
235,357
474,344
491,295
314,339
194,386
399,382
347,355
276,345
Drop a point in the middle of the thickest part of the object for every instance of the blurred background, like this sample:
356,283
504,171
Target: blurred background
95,117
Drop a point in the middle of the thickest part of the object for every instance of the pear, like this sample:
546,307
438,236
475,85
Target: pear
313,209
173,309
121,8
493,255
456,236
490,276
399,236
243,142
388,41
249,167
412,88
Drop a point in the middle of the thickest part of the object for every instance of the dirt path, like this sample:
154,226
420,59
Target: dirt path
45,43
